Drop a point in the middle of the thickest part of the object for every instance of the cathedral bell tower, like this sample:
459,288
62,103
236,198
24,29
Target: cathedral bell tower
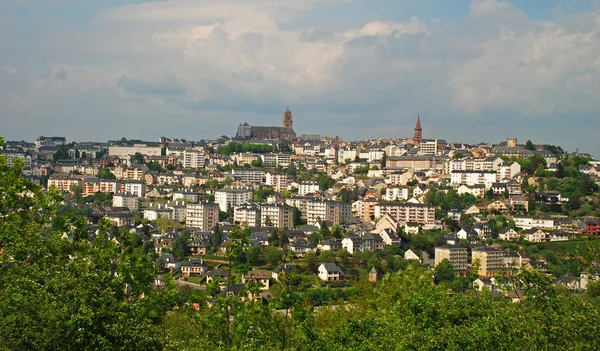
286,120
418,132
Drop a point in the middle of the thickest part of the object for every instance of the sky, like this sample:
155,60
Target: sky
474,70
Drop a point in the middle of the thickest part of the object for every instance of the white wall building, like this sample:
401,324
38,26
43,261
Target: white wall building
232,197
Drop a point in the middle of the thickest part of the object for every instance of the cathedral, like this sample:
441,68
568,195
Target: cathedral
286,131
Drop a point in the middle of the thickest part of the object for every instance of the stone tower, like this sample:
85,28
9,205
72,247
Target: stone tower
286,120
418,132
373,275
511,142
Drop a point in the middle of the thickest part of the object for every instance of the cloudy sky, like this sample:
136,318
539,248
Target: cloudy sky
479,70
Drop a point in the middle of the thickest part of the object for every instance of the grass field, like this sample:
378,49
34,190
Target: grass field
571,247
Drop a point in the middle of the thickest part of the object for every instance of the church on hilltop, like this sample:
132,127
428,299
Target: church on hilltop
286,131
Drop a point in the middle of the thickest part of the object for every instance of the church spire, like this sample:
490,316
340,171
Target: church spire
418,132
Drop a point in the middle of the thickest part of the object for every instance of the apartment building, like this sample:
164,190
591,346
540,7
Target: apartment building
232,197
327,210
126,200
396,193
193,158
490,260
457,255
486,178
278,181
204,216
248,214
136,187
64,181
248,175
307,187
407,212
277,215
188,195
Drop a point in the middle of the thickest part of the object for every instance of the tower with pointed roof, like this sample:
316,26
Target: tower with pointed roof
418,132
286,120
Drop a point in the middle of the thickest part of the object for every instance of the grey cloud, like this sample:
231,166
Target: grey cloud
167,86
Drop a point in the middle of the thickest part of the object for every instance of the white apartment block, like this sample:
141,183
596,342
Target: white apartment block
400,178
528,222
396,193
245,158
187,195
327,210
232,197
487,178
457,255
126,200
193,158
403,213
248,214
154,212
277,215
276,160
178,210
134,187
278,181
204,216
508,170
125,151
248,175
428,147
307,187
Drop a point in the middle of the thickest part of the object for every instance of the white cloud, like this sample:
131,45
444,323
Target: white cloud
200,56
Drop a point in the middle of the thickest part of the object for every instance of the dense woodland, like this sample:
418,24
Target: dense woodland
63,290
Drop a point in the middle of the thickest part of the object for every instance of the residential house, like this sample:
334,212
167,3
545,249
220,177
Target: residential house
330,272
498,206
508,233
352,244
257,276
535,235
411,255
193,266
330,245
283,269
199,247
170,262
302,247
372,242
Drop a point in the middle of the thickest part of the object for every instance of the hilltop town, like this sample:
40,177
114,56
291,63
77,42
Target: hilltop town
334,210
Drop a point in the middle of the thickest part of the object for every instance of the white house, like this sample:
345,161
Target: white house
411,255
330,272
535,235
352,244
508,234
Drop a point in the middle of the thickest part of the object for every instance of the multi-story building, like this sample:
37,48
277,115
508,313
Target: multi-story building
395,193
428,147
457,255
277,215
204,216
232,197
487,178
124,151
307,187
136,187
126,200
154,212
50,141
327,210
278,181
400,178
403,213
508,170
528,222
248,175
64,181
12,155
490,260
188,195
365,208
248,214
193,158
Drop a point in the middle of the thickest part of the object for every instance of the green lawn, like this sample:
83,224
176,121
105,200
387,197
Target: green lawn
572,247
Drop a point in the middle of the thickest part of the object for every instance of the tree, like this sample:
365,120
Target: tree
444,272
273,255
72,294
105,173
137,158
253,254
216,237
257,163
180,247
529,145
297,216
337,231
324,231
